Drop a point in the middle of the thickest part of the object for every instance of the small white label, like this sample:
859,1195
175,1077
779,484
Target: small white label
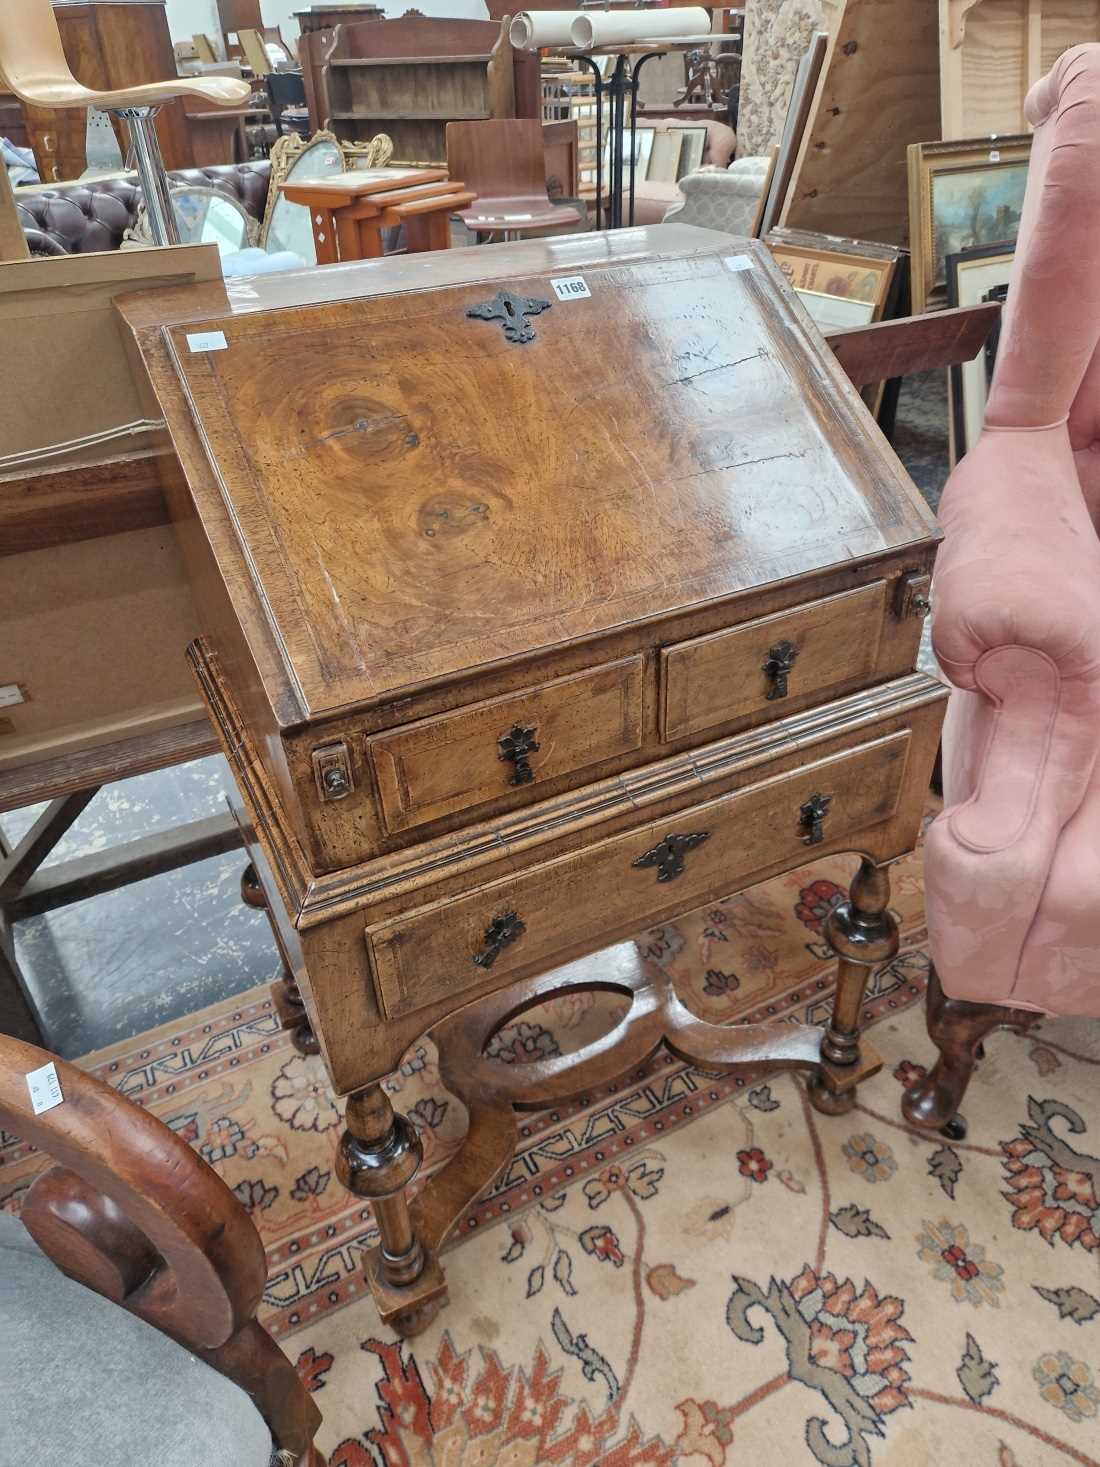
994,155
738,262
44,1088
207,341
571,288
10,694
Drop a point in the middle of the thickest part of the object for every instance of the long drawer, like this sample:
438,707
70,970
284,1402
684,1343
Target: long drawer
628,882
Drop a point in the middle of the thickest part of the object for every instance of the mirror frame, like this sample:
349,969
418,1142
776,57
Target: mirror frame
289,149
139,233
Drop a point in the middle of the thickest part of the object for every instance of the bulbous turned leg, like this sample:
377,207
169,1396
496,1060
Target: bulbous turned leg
285,993
863,934
957,1028
379,1154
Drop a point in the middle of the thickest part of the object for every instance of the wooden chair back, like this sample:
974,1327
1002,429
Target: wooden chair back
34,64
502,158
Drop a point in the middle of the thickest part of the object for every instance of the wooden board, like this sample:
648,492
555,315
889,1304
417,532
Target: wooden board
993,51
96,610
13,242
60,310
878,92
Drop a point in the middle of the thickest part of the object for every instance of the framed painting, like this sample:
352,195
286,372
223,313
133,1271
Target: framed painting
643,147
962,195
973,276
842,283
692,147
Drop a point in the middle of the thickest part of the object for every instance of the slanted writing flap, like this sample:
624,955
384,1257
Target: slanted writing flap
417,495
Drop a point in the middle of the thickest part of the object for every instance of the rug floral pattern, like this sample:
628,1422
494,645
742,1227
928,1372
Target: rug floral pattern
686,1269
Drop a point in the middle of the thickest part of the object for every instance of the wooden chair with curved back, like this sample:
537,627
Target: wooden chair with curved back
33,62
134,1216
503,162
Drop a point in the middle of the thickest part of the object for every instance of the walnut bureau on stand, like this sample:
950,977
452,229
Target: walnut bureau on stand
550,590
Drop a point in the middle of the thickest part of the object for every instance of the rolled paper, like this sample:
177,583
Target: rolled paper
602,28
533,29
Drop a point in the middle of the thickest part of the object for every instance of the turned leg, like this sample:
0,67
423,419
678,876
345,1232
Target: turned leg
863,934
956,1027
285,993
379,1154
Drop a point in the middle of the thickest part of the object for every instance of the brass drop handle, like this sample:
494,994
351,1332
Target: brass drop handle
778,668
810,817
500,932
516,747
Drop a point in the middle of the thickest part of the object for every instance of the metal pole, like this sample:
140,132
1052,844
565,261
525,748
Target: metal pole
150,165
597,76
641,61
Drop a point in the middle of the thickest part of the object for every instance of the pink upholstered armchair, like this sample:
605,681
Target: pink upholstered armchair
1012,866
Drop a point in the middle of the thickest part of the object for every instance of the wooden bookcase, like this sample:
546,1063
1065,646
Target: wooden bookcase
410,77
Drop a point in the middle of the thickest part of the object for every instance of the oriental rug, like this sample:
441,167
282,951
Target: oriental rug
687,1270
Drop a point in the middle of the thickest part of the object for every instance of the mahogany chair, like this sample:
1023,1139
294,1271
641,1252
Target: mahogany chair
502,161
34,64
141,1344
1012,865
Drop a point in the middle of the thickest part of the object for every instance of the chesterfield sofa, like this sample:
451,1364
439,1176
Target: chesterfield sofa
92,215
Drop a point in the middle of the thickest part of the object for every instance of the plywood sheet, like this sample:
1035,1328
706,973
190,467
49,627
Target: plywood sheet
878,92
993,51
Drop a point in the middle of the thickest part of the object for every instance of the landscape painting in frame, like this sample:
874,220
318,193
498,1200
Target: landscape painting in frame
975,207
964,194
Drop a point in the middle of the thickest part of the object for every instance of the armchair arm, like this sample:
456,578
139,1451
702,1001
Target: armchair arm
148,1223
136,1215
1017,628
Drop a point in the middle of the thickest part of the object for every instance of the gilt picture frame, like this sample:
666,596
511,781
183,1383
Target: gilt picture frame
964,194
842,283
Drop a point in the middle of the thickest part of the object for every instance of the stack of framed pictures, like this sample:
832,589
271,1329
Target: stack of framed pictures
844,283
973,276
963,195
662,154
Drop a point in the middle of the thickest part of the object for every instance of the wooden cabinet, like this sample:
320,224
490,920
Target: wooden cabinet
410,77
534,616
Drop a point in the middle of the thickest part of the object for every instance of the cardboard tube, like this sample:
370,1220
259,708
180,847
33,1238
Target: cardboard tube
532,29
601,28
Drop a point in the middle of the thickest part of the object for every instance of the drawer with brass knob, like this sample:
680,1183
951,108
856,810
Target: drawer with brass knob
630,881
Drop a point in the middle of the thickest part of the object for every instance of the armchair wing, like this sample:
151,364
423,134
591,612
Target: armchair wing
1013,863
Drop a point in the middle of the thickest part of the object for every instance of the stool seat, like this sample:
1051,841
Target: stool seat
516,213
36,69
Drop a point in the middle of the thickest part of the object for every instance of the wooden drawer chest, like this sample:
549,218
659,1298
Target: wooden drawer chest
549,591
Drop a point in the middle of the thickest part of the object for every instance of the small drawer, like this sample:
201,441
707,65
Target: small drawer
769,663
462,759
627,883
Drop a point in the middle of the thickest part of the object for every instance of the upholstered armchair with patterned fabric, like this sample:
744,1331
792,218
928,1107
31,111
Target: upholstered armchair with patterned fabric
722,198
1013,863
